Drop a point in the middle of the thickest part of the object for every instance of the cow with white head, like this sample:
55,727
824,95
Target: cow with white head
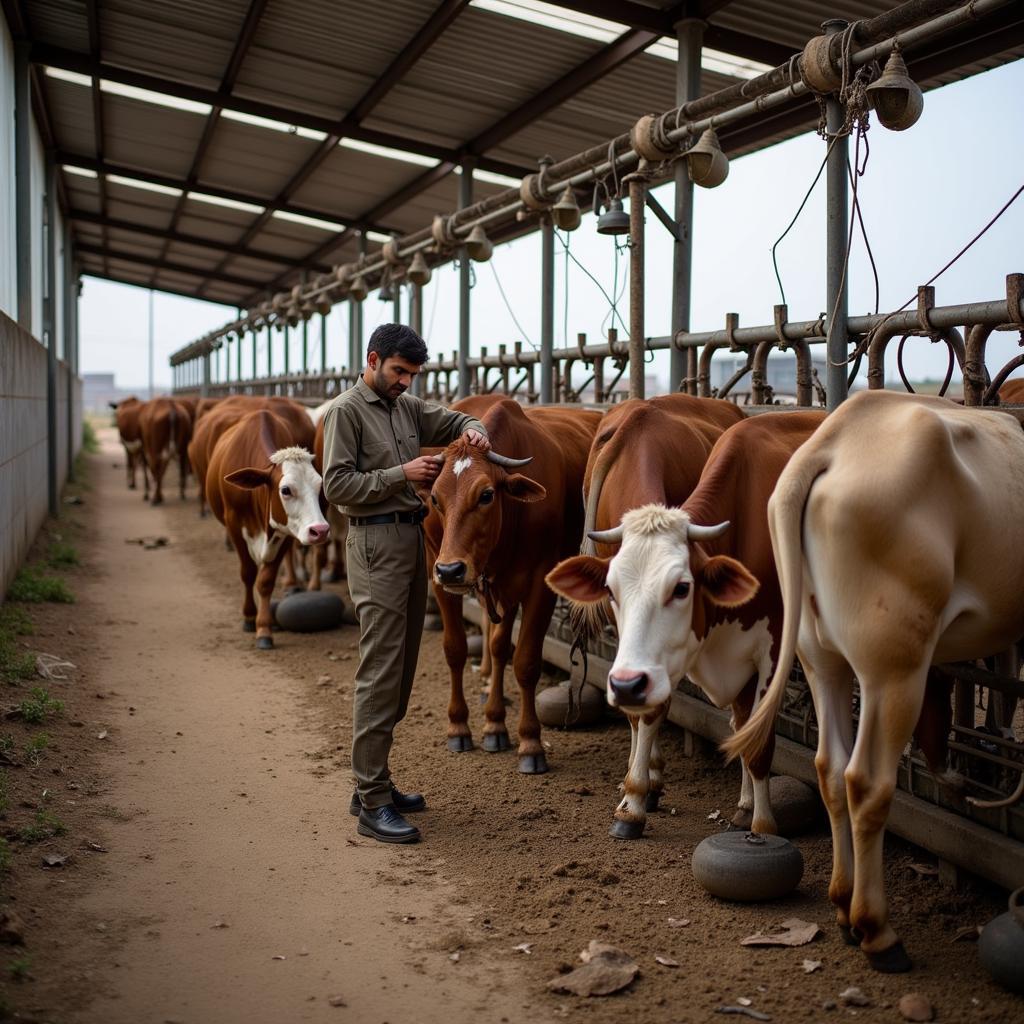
694,593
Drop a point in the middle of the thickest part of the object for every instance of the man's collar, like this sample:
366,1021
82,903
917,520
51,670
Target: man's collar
366,391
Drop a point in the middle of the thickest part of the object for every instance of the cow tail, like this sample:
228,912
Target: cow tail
785,519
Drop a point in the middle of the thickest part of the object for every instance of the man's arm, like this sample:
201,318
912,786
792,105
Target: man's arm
343,483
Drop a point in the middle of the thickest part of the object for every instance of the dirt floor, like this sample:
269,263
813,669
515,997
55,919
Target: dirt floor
213,873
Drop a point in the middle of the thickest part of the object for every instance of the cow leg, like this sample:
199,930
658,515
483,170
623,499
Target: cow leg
129,465
288,578
499,644
754,791
248,570
449,606
182,472
656,775
145,476
265,580
890,707
631,814
159,466
537,609
319,561
201,488
485,668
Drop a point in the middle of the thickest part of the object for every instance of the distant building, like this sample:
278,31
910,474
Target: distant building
781,374
99,389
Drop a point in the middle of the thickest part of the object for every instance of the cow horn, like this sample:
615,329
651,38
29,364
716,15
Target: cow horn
612,536
505,462
694,532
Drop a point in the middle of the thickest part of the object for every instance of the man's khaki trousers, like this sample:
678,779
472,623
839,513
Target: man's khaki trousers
387,579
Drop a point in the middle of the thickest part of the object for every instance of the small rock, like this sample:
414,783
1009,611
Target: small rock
12,928
853,996
324,681
666,961
336,1001
220,924
829,1004
915,1006
55,860
810,966
678,922
455,957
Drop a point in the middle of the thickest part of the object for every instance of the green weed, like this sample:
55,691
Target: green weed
39,706
16,665
90,442
46,826
33,587
19,968
35,749
61,554
14,621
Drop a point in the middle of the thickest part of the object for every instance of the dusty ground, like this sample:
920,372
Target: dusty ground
220,792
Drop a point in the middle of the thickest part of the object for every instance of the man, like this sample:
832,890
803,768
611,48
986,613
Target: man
372,437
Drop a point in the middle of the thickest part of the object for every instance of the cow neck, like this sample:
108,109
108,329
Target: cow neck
276,532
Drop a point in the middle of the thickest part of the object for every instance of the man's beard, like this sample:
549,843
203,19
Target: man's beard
385,390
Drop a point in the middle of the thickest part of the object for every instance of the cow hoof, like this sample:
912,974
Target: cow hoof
265,643
460,744
533,764
496,742
626,829
652,800
893,960
849,934
131,487
248,626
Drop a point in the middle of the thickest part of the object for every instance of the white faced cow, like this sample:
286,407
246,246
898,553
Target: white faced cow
694,593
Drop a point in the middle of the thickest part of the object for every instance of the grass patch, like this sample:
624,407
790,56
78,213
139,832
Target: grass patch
35,749
46,826
19,968
32,587
90,442
61,554
14,621
39,706
16,665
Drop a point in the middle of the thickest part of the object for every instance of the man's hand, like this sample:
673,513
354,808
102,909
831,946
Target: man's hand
423,470
477,440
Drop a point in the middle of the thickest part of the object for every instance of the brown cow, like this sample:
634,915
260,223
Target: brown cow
265,491
899,546
1011,392
126,414
502,531
695,600
166,426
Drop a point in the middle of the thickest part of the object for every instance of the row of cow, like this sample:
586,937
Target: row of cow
884,526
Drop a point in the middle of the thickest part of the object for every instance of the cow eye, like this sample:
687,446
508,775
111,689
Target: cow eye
681,590
286,492
487,497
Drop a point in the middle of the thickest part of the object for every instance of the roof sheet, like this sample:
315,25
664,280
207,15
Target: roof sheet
307,59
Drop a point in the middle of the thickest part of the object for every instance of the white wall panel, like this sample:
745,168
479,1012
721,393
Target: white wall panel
8,270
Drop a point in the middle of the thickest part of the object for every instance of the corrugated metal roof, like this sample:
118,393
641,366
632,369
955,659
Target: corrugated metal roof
299,60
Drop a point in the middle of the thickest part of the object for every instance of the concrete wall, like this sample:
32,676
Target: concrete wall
24,495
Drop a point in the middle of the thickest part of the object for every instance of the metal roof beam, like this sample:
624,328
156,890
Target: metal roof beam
98,127
171,235
86,272
175,268
89,163
82,63
442,17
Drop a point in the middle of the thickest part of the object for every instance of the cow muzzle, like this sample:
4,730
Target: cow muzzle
318,533
628,690
451,574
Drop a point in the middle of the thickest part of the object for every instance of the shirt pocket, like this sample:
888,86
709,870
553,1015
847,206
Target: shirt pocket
377,455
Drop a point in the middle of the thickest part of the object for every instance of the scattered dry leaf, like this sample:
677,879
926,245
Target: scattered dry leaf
810,966
968,934
746,1011
678,922
667,961
524,947
923,870
605,970
794,933
853,996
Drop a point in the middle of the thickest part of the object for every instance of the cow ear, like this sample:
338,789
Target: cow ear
580,579
522,488
726,582
248,479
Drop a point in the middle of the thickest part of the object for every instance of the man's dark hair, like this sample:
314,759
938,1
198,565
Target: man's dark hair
398,340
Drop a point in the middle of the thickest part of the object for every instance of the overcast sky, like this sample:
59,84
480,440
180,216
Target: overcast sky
926,192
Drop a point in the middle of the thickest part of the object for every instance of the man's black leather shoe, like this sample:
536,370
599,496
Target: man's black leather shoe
386,825
406,803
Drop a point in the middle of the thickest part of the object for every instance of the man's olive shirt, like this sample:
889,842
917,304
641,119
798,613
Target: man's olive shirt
368,439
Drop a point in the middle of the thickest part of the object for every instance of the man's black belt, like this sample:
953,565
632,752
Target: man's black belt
390,518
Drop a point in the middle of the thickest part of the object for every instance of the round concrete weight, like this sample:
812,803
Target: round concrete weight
432,624
747,867
796,806
562,709
475,645
310,611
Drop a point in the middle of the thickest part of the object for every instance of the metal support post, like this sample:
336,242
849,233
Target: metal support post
23,181
270,351
465,199
255,370
238,354
50,332
637,204
396,309
836,388
287,349
204,387
416,322
355,323
547,308
69,346
690,36
305,337
323,342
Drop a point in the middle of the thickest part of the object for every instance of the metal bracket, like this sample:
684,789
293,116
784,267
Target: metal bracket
781,318
662,214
